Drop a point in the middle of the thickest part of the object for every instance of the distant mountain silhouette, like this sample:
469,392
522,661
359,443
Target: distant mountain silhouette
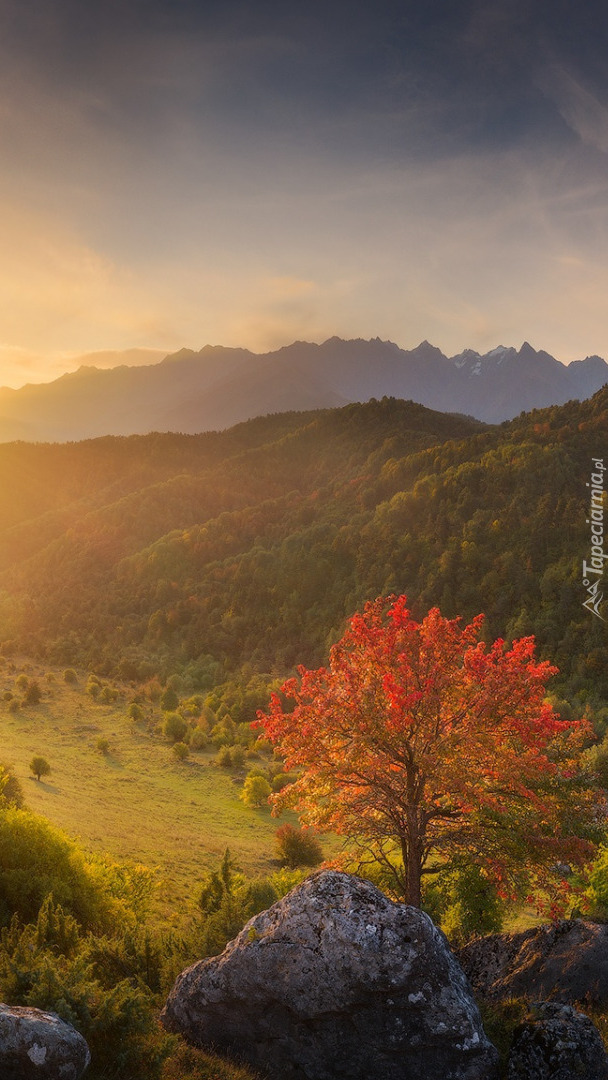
218,387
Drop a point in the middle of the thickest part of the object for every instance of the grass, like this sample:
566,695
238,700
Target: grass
136,801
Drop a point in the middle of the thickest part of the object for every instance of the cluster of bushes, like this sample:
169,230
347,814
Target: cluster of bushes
74,940
25,691
219,721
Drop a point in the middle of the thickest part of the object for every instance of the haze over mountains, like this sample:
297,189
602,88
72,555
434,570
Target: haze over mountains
217,387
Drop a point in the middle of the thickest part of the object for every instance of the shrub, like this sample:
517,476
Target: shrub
263,746
37,860
198,739
256,790
136,712
597,892
281,779
103,746
238,757
169,700
181,750
11,792
174,727
224,757
466,904
298,847
69,676
33,693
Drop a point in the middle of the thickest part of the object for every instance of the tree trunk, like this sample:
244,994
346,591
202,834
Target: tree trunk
412,867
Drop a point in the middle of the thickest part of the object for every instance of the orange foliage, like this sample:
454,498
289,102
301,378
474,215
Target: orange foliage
423,742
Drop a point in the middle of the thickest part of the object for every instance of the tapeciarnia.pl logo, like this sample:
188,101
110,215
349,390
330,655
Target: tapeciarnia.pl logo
593,571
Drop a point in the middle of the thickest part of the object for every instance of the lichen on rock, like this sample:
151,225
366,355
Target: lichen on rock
37,1045
336,981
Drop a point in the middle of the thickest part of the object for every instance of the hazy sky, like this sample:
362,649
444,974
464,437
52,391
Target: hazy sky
248,173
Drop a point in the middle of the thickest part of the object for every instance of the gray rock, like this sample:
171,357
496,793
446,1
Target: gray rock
36,1045
557,1043
336,981
566,961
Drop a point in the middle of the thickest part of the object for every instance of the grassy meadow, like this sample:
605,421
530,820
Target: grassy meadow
136,801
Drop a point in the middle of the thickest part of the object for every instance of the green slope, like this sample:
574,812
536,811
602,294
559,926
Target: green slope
257,552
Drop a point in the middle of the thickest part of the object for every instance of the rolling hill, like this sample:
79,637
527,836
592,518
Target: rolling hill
249,548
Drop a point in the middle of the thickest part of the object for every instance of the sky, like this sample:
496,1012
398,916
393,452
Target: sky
178,173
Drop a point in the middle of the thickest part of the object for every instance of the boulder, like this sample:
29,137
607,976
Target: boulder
36,1045
336,981
557,1043
566,961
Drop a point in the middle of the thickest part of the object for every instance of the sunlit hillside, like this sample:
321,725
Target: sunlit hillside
200,554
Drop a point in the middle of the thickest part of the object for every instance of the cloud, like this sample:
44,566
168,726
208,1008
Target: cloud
580,108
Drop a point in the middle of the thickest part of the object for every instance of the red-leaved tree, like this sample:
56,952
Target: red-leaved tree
429,747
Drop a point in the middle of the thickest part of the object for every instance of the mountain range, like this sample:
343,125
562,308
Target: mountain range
217,387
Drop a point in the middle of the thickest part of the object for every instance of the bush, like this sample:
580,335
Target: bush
11,792
298,847
37,860
169,700
47,965
136,712
33,693
466,904
103,746
181,750
597,891
175,727
224,757
256,790
69,676
281,779
198,739
238,757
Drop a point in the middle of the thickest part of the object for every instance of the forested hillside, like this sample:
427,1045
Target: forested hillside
201,554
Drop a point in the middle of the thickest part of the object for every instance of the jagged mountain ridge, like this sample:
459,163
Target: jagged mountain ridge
218,387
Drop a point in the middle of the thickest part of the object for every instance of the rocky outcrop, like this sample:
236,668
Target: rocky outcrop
37,1045
557,1043
336,981
567,962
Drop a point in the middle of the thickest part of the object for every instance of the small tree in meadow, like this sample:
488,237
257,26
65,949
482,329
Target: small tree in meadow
39,766
181,750
256,790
